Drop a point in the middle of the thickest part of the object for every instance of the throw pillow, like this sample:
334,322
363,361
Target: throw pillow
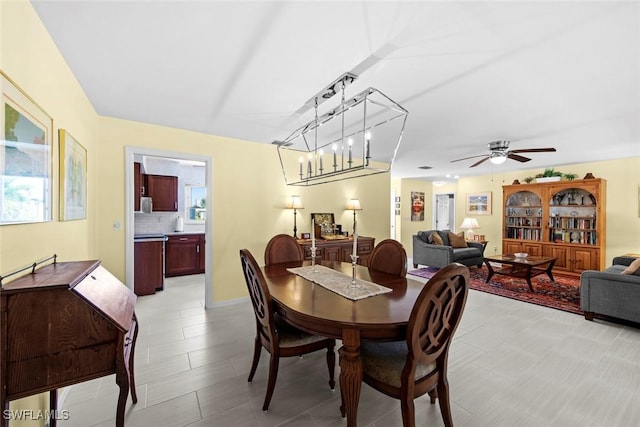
457,240
633,268
435,239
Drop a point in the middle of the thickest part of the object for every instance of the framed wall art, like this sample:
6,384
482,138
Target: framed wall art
417,206
25,157
478,203
73,178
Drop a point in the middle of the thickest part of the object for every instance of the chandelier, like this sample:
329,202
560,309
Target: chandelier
358,137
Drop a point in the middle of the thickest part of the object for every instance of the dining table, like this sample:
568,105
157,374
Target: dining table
318,310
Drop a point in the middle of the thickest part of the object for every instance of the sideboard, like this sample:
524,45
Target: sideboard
62,324
339,249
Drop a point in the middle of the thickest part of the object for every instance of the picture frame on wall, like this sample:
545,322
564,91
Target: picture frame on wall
25,157
478,203
73,178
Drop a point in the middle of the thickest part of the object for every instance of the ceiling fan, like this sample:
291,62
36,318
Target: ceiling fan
499,152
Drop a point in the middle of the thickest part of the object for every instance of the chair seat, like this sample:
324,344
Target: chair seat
384,361
290,336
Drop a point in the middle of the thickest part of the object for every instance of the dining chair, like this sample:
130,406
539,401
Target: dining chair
282,248
409,369
279,338
389,256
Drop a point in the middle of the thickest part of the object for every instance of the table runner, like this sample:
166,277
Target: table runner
339,283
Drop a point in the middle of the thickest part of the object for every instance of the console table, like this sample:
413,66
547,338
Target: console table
339,249
62,324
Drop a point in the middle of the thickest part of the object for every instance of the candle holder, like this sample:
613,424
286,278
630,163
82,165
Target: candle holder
313,259
354,262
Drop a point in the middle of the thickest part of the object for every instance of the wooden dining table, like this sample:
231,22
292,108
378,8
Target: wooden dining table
317,310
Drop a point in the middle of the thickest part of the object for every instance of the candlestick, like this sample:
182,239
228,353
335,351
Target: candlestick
355,241
313,233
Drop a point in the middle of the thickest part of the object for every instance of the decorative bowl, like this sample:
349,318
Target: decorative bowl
521,254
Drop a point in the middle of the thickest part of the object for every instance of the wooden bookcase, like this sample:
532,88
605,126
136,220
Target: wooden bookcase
562,219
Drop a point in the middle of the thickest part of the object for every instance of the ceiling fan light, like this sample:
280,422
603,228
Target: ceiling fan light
498,158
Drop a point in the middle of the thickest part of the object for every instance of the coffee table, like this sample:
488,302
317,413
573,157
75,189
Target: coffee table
524,268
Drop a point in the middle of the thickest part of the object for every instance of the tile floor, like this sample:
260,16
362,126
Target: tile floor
511,364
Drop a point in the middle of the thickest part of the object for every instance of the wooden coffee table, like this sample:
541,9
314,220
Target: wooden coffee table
524,268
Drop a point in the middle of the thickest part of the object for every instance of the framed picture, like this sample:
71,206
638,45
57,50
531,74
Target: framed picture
417,206
323,219
73,178
478,203
25,157
306,236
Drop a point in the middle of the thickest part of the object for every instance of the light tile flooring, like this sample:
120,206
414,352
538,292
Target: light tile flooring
511,364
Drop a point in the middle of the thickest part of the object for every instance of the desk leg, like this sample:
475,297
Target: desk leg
53,406
350,375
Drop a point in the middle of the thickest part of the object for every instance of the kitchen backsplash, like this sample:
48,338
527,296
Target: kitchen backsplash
162,222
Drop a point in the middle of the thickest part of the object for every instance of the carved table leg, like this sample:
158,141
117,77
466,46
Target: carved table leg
490,270
350,375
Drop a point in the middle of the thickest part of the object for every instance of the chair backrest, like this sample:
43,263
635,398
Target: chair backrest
389,257
260,296
436,314
282,248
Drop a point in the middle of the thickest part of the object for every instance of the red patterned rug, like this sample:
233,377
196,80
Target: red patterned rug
561,294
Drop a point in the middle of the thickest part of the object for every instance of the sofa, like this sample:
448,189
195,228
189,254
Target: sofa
436,254
610,292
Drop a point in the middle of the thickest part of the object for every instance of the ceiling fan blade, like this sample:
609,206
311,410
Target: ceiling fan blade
534,150
472,157
517,157
479,162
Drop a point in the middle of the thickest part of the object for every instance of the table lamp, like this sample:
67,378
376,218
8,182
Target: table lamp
354,205
469,224
295,203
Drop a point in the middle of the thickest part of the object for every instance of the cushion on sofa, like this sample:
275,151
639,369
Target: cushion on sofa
633,268
435,238
457,240
424,236
444,235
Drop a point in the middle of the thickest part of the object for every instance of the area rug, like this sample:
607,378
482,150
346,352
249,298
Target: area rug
561,294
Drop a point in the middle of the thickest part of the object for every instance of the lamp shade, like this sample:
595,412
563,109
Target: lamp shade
469,223
295,203
354,205
498,158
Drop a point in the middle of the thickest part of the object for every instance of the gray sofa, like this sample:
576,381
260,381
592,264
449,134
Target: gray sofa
610,292
427,253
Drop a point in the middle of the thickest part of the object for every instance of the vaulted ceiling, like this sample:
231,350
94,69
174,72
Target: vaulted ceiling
539,74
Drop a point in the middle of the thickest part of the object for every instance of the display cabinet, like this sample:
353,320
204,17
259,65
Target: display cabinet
563,219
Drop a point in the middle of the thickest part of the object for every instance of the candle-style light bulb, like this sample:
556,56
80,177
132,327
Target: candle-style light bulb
309,165
320,154
334,147
350,142
367,138
301,160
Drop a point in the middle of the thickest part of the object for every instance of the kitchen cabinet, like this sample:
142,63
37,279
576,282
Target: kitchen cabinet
185,255
138,191
163,190
148,267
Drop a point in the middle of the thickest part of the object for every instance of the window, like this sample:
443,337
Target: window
195,203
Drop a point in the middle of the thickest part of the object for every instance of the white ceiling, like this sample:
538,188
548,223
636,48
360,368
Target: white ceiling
540,74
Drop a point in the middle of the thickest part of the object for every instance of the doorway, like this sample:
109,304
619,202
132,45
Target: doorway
130,154
444,214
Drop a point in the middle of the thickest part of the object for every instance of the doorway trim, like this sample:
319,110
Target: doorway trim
452,209
129,155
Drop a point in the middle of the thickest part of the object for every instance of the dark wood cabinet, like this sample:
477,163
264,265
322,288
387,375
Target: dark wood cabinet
339,250
138,190
163,190
63,324
185,255
148,267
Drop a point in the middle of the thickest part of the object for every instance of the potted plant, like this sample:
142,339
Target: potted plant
529,179
570,176
549,174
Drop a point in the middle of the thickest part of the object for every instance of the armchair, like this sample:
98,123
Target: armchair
425,252
610,292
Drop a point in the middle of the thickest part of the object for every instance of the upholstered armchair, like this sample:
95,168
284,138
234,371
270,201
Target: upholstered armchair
610,292
440,252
